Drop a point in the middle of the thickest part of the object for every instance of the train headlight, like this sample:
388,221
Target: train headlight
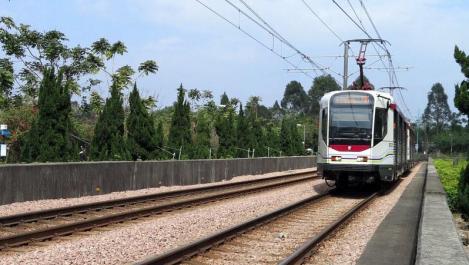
362,159
336,158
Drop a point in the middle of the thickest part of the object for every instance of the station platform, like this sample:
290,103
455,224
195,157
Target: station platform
419,229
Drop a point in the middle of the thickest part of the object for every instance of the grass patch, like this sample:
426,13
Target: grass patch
449,173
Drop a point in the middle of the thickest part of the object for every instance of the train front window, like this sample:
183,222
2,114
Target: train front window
351,118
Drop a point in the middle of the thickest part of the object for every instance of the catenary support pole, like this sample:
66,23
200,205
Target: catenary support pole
346,47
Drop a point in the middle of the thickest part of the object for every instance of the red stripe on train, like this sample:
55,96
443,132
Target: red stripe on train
349,148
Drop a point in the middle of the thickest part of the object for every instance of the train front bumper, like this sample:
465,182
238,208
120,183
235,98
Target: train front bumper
359,171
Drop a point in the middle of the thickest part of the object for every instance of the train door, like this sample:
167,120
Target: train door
322,135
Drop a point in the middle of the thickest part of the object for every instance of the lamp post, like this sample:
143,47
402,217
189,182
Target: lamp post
304,134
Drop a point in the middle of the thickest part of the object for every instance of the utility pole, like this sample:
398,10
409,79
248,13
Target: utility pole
346,47
360,59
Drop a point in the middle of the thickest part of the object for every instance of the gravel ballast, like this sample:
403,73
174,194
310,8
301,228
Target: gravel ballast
28,206
133,241
348,243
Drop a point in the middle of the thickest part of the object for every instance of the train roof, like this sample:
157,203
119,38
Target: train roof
374,93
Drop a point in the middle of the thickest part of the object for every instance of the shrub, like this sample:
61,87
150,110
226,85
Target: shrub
449,175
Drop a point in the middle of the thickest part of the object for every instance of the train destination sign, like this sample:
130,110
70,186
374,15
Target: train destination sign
355,99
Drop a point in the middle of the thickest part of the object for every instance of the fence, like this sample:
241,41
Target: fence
25,182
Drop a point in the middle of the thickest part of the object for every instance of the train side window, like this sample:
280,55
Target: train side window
324,125
381,125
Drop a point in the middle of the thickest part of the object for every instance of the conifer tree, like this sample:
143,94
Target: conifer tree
109,142
159,141
226,133
243,133
258,137
285,137
141,131
272,140
201,148
224,100
49,137
437,114
180,130
461,100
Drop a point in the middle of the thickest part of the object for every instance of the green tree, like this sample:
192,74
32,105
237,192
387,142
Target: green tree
35,51
277,111
321,85
297,140
224,100
109,141
437,113
202,145
49,138
259,144
461,100
286,137
159,142
141,131
290,139
96,102
272,140
295,98
226,131
243,133
180,130
6,82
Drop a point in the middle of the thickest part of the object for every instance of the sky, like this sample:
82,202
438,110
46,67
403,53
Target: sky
198,49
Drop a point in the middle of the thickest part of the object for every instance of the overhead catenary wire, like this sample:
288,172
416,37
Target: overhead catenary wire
391,73
359,25
369,36
326,25
252,37
391,64
279,36
322,21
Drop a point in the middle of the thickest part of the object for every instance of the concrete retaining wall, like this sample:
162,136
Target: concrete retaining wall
438,241
64,180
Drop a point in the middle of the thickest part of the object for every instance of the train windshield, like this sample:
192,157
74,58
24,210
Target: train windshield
351,118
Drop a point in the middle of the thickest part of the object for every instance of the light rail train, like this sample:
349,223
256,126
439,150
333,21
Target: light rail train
363,138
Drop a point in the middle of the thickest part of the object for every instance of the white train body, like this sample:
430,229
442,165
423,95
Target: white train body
363,137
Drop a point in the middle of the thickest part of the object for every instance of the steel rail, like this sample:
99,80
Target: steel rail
179,254
185,252
84,225
12,220
305,250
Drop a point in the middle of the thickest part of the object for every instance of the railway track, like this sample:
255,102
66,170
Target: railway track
285,236
21,229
